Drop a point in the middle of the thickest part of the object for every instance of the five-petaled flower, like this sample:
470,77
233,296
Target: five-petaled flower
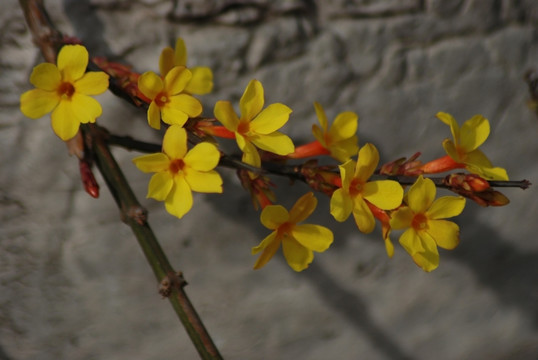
202,78
463,150
63,89
256,127
298,241
340,138
179,171
168,98
423,220
356,191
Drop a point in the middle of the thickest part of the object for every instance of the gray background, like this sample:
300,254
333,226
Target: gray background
74,284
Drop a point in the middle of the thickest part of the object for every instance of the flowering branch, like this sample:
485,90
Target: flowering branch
132,213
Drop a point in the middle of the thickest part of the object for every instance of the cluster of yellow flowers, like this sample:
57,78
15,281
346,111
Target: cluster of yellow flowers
64,90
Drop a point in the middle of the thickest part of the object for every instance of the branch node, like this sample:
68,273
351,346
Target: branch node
170,281
137,213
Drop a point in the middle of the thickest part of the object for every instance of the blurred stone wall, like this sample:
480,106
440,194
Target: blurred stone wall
74,285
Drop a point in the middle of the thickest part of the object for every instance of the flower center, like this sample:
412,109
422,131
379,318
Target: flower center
285,229
161,99
419,222
66,90
355,187
176,166
243,127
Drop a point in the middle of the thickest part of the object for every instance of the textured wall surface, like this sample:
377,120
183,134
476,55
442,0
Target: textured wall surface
74,284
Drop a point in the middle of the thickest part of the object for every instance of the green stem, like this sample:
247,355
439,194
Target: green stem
135,216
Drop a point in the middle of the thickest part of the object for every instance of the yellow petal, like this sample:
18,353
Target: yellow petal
363,216
154,116
446,207
297,256
478,159
322,118
303,207
201,82
318,134
450,121
269,245
225,113
345,149
341,205
72,62
474,132
401,218
389,247
36,103
428,259
46,76
65,121
451,150
186,103
166,60
204,182
385,194
314,237
179,201
251,103
344,126
176,80
150,84
273,216
250,153
367,162
173,116
152,162
275,142
92,83
492,173
270,119
86,108
411,242
421,195
160,185
203,157
180,56
445,233
175,142
346,173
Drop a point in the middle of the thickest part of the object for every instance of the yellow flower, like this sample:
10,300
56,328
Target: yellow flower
168,100
340,138
63,89
425,229
256,127
298,241
202,78
356,190
464,148
178,172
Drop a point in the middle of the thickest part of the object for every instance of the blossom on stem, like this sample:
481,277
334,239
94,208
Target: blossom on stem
298,241
168,98
179,171
256,127
423,220
356,191
463,149
340,138
63,89
202,78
